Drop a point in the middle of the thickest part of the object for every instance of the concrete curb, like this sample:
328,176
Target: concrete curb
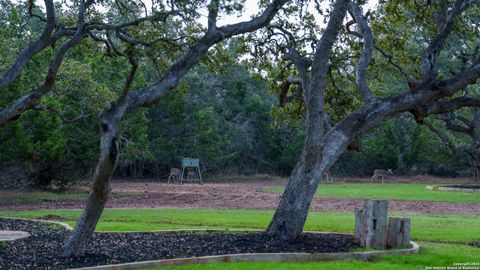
8,236
446,188
258,257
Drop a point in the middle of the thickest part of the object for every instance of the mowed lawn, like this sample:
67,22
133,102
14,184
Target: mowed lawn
440,236
465,228
405,192
443,238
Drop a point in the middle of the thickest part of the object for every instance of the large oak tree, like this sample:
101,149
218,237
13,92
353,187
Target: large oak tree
130,100
429,91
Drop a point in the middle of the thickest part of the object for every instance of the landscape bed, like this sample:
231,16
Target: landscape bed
457,188
42,249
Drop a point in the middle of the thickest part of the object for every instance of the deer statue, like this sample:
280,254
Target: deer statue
174,175
381,173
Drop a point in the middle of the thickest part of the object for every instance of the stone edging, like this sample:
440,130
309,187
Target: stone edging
258,257
8,236
446,188
246,257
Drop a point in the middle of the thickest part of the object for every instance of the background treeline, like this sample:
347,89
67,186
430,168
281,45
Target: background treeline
221,113
223,118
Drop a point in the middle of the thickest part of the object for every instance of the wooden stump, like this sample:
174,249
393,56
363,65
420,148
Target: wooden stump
371,224
360,226
398,232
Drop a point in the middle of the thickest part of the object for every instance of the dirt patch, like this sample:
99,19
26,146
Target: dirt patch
41,250
251,195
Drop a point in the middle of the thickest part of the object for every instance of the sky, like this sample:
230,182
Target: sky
250,8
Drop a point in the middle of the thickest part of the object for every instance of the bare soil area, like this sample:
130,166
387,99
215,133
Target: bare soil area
246,195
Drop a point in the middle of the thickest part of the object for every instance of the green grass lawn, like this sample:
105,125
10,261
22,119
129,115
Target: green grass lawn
406,192
427,230
424,227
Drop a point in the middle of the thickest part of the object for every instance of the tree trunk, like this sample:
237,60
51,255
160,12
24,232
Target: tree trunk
291,213
375,223
398,232
100,188
318,155
360,226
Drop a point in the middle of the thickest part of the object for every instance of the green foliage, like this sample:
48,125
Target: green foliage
405,147
225,121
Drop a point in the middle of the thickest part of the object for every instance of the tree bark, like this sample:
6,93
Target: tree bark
314,162
398,232
375,223
100,189
371,224
291,213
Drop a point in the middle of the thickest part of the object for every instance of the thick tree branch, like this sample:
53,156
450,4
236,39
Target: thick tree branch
212,15
429,62
27,101
283,96
367,51
43,41
446,140
128,81
172,76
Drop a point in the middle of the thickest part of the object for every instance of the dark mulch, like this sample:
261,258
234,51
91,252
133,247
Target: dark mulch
41,249
474,244
463,186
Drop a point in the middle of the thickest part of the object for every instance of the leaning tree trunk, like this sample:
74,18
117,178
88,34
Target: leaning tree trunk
291,213
100,188
316,157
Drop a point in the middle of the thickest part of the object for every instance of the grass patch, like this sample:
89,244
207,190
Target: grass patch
439,255
430,228
3,244
405,192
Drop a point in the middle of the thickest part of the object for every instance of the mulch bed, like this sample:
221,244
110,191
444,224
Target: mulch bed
463,186
41,250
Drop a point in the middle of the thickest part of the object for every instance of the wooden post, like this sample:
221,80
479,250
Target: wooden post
360,226
371,224
398,232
